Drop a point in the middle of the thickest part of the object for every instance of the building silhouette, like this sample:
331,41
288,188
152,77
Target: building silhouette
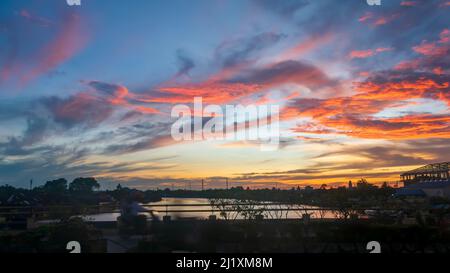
432,180
429,173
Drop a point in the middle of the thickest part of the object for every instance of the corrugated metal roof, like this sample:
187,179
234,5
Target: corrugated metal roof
430,168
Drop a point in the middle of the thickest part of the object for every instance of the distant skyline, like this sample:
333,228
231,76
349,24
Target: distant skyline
363,91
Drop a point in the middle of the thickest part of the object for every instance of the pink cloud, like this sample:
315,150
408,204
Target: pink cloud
365,17
69,41
439,48
35,19
378,20
438,71
120,96
444,36
409,3
305,47
408,65
360,54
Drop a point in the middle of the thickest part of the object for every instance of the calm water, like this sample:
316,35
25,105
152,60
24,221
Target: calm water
161,211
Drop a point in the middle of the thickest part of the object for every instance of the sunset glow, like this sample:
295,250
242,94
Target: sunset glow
362,94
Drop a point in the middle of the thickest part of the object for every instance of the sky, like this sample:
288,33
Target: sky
363,91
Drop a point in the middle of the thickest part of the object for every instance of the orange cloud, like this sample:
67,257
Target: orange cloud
211,92
407,127
354,116
405,89
247,82
383,20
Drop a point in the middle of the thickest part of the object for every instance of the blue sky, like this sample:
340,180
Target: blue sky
86,91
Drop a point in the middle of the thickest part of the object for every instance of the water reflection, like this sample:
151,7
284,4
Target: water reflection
191,204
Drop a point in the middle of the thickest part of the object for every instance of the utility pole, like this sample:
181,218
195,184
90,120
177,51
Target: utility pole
203,185
31,184
227,182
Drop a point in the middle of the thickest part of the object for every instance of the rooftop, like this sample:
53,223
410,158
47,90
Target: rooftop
430,168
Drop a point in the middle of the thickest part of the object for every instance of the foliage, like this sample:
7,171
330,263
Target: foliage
84,185
55,186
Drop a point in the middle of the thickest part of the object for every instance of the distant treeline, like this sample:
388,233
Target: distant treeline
85,191
81,191
363,192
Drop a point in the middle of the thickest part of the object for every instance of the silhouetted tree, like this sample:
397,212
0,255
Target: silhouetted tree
5,192
84,185
55,186
364,185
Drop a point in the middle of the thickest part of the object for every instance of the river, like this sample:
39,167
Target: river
187,205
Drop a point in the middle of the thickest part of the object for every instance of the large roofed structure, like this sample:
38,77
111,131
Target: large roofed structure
429,173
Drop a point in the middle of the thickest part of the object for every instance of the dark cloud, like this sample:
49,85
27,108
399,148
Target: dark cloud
239,51
286,72
285,9
140,136
35,131
57,161
106,88
80,109
41,163
146,144
131,115
390,24
185,63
